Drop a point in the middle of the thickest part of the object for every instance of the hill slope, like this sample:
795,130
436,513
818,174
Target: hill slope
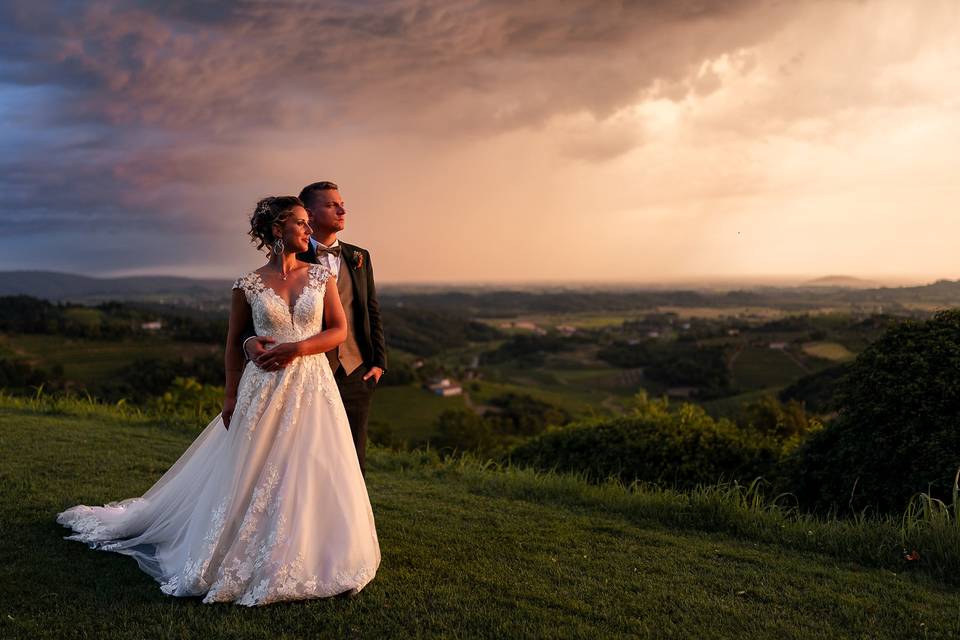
57,286
466,553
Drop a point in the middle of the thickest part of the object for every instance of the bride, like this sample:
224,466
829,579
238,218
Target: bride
268,503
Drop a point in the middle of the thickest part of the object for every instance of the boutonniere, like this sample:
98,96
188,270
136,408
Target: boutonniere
358,261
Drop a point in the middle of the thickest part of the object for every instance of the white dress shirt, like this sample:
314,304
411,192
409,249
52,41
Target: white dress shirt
328,260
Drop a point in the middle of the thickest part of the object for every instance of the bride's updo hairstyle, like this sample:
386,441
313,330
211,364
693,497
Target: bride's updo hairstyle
270,211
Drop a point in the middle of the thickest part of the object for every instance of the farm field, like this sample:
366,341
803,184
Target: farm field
762,368
578,320
577,400
407,413
93,361
832,351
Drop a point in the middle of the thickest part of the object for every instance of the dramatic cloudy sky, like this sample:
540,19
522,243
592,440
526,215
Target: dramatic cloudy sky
488,140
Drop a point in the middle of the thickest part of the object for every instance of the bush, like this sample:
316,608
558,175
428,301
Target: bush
145,378
787,423
682,447
898,429
188,398
817,391
400,374
19,375
462,430
523,415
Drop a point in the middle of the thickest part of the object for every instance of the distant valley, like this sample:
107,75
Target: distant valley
831,292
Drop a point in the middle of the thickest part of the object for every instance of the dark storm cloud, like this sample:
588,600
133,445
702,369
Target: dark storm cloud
233,66
145,100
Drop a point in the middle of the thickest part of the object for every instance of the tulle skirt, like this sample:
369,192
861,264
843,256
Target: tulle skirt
274,509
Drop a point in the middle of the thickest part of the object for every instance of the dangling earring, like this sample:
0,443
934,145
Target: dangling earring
278,253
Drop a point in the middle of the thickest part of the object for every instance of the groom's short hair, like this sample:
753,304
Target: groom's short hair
307,193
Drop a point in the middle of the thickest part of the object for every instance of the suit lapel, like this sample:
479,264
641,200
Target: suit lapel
347,252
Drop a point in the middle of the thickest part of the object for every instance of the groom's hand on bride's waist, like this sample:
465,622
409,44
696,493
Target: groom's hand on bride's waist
255,348
278,357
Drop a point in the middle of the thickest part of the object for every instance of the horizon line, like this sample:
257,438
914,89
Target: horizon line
868,281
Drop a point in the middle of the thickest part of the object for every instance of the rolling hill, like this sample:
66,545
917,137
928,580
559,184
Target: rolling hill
57,286
468,552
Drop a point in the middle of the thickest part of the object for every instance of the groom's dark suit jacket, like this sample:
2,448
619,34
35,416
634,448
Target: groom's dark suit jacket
367,329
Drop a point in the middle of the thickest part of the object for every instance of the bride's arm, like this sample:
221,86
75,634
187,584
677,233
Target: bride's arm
333,318
233,359
335,333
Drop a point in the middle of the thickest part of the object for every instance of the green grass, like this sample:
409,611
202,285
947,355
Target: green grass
407,413
577,400
761,367
832,351
468,551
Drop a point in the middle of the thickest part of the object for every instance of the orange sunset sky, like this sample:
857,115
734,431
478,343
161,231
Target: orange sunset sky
567,141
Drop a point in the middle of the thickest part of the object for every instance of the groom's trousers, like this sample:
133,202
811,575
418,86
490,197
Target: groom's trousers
357,394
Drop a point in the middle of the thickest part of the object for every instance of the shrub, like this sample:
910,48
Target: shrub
817,391
898,429
188,398
18,374
400,374
523,415
681,447
787,422
462,430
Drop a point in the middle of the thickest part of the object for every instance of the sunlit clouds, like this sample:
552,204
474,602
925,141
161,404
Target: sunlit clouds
482,141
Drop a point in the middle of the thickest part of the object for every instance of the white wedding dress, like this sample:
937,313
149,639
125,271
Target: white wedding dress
273,509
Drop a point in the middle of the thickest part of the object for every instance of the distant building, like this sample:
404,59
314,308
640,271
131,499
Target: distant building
523,324
566,329
444,387
452,390
153,325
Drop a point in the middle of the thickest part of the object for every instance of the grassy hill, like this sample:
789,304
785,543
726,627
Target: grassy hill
468,551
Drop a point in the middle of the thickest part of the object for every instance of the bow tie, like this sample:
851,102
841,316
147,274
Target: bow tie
334,251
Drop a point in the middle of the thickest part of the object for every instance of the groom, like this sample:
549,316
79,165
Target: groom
358,362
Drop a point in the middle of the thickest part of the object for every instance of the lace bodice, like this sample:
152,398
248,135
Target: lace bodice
272,316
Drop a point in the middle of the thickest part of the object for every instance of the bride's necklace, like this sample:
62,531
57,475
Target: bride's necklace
283,275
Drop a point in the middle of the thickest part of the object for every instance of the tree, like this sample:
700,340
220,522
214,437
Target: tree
898,428
462,430
770,417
